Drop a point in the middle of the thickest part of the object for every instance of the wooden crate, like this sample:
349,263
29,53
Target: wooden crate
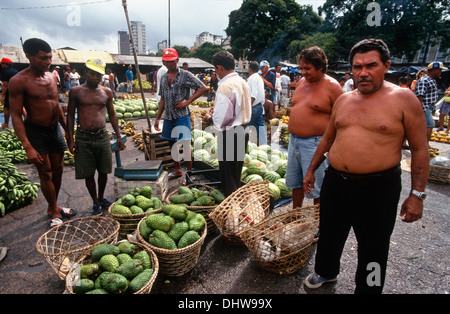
159,187
157,148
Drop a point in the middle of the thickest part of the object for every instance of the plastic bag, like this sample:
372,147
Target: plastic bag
442,160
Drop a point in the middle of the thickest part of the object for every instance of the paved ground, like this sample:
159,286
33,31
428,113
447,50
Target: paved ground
418,262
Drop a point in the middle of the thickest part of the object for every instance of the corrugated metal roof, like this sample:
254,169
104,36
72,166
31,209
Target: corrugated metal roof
17,55
81,56
157,61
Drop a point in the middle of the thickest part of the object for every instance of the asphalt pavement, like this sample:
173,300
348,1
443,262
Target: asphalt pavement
418,261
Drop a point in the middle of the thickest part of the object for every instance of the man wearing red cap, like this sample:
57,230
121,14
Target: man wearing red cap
175,99
7,73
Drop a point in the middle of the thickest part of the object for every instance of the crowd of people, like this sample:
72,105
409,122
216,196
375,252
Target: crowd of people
344,150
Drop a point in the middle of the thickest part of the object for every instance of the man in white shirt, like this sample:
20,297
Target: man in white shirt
257,96
232,113
285,82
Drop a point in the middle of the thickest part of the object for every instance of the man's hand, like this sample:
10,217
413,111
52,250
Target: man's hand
308,182
156,125
34,157
181,104
412,209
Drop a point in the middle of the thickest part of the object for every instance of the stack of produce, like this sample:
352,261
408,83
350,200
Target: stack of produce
202,103
174,228
11,147
127,127
195,197
120,268
16,190
441,137
260,162
137,201
134,108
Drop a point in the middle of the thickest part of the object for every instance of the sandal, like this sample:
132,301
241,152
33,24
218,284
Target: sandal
173,176
66,212
56,223
3,251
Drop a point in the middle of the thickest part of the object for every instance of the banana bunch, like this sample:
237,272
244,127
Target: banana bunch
137,139
16,190
433,152
128,128
11,147
69,158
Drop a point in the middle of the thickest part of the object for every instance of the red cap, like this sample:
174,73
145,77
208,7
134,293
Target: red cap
6,60
169,54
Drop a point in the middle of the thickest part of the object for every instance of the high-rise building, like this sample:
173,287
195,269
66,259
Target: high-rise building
162,45
207,37
124,43
139,37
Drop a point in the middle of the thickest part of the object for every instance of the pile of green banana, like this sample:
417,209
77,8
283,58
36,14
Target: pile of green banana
16,190
11,147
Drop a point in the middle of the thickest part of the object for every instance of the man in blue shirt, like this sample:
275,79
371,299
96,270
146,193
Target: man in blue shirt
269,79
129,75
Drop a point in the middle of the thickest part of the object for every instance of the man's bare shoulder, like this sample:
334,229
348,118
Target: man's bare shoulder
401,95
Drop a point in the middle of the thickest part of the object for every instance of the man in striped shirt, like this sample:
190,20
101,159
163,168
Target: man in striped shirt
175,100
426,91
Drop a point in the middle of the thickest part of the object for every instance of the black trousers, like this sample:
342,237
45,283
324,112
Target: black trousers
368,204
232,145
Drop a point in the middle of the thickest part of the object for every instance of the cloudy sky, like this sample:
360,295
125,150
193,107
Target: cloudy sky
93,24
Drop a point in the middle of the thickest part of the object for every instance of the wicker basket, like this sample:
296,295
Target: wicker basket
128,223
247,206
176,262
281,243
63,245
438,174
204,210
74,275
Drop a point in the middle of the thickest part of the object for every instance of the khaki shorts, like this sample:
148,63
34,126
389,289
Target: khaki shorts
93,153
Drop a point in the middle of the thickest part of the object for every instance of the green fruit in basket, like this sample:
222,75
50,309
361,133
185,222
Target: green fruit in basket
109,262
128,200
188,238
177,230
199,193
206,200
182,198
146,191
144,258
184,190
178,213
157,204
89,270
114,283
190,215
82,286
195,203
197,222
162,240
140,280
120,210
166,209
217,195
123,257
143,202
159,221
130,269
99,250
127,247
145,230
136,209
135,192
97,291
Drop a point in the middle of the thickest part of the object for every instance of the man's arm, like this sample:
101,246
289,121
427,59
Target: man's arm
71,108
415,131
16,92
113,117
159,114
319,156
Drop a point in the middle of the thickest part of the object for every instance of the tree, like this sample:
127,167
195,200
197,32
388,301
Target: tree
326,41
206,51
183,51
405,25
263,29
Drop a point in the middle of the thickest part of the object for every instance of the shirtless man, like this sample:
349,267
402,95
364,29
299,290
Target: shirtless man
35,90
312,102
92,147
361,188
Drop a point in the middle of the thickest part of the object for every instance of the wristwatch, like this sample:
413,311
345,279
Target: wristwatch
421,195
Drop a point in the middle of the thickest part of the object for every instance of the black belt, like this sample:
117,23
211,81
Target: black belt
359,176
91,133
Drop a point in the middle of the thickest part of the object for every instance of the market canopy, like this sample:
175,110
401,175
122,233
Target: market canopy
193,63
17,56
81,56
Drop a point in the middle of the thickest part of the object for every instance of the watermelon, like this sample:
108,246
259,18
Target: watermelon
153,106
281,170
119,108
247,159
259,155
127,115
119,115
137,114
251,146
272,176
253,177
274,190
256,167
200,142
284,190
152,113
200,154
265,148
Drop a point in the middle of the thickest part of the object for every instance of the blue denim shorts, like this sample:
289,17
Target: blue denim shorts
300,153
429,118
445,108
178,129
